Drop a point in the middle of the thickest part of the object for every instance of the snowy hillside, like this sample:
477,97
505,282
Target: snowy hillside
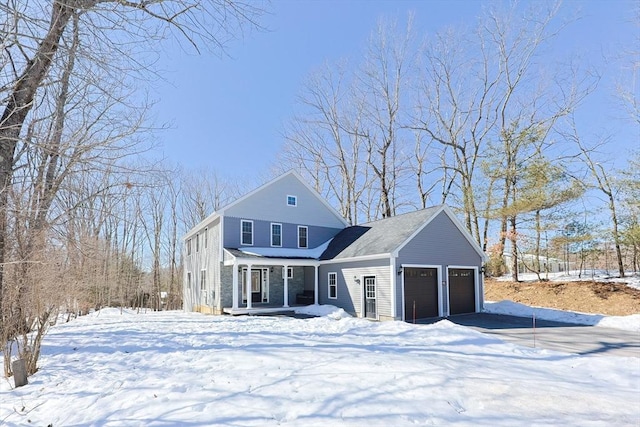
177,369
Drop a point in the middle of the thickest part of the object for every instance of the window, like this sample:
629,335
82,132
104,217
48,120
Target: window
292,201
189,247
370,287
246,237
188,280
289,272
333,285
302,236
203,280
276,234
197,242
206,231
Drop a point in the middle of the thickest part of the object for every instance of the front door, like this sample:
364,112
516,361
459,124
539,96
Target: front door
370,297
258,288
256,285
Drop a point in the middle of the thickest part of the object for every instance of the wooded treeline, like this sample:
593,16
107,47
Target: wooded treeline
87,217
479,118
486,119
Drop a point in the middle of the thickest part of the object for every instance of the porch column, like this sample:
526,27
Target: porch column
248,284
285,274
235,285
315,284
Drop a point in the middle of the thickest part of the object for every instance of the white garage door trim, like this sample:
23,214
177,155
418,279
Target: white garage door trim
438,279
476,285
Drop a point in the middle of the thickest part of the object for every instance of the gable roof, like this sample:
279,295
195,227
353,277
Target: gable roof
296,175
378,237
389,235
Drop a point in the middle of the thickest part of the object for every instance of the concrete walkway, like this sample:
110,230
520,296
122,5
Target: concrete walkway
564,337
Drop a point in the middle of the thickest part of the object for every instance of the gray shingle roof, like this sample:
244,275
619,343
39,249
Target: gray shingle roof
377,237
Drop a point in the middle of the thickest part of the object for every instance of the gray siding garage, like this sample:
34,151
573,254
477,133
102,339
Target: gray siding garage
442,244
402,267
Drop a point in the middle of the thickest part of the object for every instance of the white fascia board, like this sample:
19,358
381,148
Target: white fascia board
273,262
396,252
201,225
221,211
302,181
251,193
356,258
466,233
456,222
319,197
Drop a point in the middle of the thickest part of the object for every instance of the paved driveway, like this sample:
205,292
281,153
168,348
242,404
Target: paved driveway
565,337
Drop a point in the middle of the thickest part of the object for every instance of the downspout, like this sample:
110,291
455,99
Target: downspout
394,287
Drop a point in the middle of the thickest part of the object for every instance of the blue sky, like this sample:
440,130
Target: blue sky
227,113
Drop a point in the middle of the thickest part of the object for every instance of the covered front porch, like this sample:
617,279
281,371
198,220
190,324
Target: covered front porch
262,284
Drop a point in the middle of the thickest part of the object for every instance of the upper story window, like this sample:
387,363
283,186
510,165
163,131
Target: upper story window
188,246
276,234
246,232
292,201
303,236
205,238
198,242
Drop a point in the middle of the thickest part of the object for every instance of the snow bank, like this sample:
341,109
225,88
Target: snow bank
629,323
330,311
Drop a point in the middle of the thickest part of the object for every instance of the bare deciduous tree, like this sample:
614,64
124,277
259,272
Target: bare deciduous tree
66,80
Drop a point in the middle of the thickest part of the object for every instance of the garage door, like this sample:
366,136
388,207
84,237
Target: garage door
462,295
420,293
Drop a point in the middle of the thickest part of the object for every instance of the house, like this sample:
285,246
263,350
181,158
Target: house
283,244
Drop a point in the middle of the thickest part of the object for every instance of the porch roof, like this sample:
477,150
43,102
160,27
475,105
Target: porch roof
234,255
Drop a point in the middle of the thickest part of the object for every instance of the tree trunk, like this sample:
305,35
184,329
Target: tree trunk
18,106
514,250
616,234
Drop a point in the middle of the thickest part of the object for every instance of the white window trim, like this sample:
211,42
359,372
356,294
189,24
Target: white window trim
289,270
441,286
265,283
295,200
203,279
242,221
271,237
364,293
476,286
332,273
307,237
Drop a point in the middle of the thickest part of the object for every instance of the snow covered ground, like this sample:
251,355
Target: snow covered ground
189,369
631,279
629,323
